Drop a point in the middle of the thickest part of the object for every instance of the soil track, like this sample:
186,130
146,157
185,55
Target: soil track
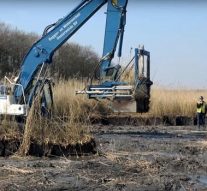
129,158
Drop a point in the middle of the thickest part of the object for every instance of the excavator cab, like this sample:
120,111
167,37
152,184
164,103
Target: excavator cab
7,101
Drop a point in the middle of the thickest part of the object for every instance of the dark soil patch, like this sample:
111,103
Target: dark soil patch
129,158
145,120
10,146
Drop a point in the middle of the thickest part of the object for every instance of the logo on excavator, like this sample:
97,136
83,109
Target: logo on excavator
114,2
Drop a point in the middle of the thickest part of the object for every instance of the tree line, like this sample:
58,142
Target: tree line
71,60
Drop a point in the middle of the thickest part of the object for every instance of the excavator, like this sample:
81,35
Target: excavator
16,97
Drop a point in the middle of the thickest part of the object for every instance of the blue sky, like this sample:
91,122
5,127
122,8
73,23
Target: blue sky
174,31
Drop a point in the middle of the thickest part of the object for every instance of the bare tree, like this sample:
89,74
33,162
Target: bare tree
69,61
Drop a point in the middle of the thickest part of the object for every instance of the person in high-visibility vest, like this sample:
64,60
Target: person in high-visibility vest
201,111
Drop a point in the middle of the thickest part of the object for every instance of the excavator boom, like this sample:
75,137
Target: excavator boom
42,51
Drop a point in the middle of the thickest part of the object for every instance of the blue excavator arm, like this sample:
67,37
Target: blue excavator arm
55,35
114,32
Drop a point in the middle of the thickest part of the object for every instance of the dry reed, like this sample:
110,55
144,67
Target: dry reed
69,123
164,101
174,102
9,128
70,120
77,107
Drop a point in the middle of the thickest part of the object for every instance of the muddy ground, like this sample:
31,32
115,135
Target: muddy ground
128,158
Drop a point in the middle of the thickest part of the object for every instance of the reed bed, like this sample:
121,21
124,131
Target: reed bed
174,102
70,120
163,101
78,107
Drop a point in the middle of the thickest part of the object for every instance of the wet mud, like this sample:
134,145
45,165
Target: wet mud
128,157
144,120
10,147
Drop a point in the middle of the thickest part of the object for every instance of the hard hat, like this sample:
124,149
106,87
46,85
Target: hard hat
201,98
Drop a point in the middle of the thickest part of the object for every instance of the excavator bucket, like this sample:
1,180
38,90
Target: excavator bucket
141,91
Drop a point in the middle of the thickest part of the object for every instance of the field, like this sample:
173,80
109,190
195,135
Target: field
128,156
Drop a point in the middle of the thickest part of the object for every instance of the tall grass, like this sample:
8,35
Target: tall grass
78,107
170,101
69,123
70,120
174,102
163,101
